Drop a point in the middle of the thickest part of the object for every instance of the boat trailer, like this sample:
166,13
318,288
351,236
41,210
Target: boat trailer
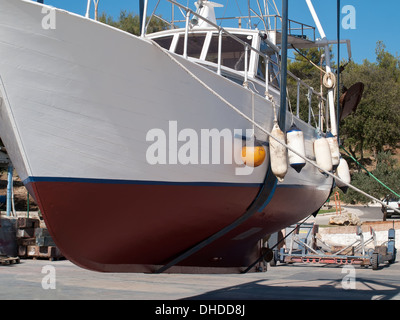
304,245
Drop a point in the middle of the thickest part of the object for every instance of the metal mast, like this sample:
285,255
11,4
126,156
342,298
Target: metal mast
331,102
338,69
143,13
284,48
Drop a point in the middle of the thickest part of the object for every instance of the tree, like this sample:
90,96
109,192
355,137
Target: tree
311,75
131,23
385,171
375,124
387,61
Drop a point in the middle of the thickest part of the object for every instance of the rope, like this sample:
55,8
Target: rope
369,173
310,61
329,79
263,129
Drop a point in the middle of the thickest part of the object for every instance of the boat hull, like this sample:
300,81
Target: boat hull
79,120
138,227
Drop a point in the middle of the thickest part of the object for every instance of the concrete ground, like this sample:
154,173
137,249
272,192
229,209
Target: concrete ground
61,280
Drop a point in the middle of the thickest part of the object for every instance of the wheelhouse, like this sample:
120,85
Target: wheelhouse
208,46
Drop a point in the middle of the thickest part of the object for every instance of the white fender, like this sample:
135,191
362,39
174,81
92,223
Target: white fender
278,153
343,173
334,147
322,153
295,140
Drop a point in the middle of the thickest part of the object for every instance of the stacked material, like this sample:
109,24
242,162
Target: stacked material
4,260
8,244
34,241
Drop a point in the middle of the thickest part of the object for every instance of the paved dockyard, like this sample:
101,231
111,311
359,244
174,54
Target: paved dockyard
44,279
34,280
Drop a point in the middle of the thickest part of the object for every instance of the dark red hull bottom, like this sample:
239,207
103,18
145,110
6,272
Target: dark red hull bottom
137,228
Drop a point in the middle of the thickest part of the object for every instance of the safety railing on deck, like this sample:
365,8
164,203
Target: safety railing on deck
270,22
221,31
295,28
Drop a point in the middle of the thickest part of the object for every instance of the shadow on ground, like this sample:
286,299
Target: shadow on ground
309,290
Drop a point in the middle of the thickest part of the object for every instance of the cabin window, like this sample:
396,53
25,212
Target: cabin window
164,42
194,45
273,69
233,52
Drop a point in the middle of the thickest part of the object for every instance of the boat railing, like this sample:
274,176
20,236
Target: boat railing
274,23
247,47
270,22
295,28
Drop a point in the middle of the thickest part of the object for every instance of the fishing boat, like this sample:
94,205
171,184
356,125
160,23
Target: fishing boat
159,152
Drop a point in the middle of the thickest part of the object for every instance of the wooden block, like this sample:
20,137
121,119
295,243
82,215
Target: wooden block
41,232
25,233
22,251
24,223
26,241
44,241
32,251
49,252
52,252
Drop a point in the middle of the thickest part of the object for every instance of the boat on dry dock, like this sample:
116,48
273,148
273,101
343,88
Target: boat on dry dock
136,148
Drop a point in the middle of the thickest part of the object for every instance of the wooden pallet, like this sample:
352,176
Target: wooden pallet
5,261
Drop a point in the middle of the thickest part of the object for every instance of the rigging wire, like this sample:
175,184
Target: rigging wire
248,5
309,60
276,8
240,11
223,16
369,173
329,79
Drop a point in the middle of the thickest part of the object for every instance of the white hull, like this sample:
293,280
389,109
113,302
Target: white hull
108,100
78,101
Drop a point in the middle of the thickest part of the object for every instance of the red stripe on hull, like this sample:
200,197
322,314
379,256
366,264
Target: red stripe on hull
136,228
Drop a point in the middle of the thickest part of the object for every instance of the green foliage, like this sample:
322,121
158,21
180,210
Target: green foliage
360,180
131,23
302,68
311,75
375,124
385,171
387,61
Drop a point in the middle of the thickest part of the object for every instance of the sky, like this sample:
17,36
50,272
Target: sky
372,20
